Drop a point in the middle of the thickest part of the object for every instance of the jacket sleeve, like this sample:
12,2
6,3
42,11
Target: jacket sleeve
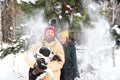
73,55
57,65
29,57
74,61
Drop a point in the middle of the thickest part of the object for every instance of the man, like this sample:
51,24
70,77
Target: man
50,41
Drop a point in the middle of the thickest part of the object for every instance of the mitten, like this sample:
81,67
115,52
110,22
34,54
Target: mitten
56,57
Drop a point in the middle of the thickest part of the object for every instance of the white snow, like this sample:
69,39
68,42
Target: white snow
14,67
60,17
32,1
95,56
78,14
91,6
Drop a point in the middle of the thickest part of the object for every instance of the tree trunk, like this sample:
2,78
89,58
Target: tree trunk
0,25
7,18
117,15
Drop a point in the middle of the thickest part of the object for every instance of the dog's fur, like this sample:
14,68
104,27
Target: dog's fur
42,58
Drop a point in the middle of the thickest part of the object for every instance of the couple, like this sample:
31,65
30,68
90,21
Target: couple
62,51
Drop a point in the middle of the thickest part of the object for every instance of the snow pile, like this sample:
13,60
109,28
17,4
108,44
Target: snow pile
14,67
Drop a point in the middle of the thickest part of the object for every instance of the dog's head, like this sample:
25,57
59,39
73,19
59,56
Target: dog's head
45,51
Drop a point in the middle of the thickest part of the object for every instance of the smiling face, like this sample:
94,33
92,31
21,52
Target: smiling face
63,39
50,33
49,36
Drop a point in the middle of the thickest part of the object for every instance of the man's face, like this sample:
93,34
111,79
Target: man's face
49,33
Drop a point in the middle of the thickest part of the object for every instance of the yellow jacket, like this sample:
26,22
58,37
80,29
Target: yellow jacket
55,66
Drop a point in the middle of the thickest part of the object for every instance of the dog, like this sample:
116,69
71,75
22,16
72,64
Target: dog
43,56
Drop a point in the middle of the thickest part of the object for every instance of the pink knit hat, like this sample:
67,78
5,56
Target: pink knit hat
50,28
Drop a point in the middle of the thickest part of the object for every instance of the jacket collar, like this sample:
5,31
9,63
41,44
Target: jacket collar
50,44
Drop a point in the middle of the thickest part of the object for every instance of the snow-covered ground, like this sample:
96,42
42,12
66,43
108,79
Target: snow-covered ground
94,68
14,67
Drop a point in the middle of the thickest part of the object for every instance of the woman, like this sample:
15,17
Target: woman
70,68
51,42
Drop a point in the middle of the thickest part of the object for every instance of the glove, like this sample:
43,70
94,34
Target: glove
37,70
56,57
39,67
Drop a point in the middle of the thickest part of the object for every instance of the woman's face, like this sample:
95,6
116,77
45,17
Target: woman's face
63,39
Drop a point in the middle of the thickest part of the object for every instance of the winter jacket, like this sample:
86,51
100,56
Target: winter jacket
70,68
55,66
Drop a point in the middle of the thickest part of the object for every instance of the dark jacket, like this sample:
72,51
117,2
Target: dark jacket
70,68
